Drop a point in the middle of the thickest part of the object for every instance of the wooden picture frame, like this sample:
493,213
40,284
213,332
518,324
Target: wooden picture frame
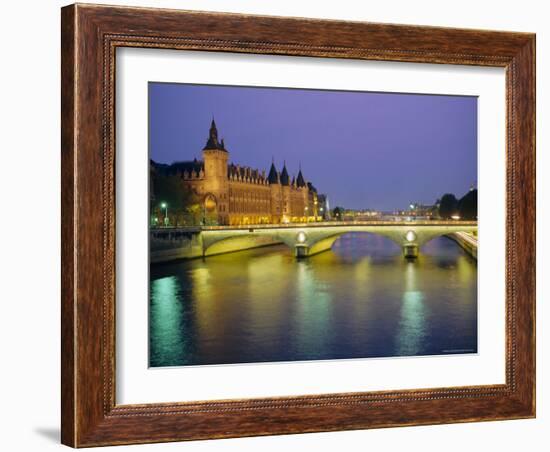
90,36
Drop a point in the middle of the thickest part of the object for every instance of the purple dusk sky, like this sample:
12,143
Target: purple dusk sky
364,150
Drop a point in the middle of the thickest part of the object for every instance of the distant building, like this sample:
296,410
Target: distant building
420,211
323,207
360,214
238,195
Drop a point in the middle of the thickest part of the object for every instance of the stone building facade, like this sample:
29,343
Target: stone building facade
232,194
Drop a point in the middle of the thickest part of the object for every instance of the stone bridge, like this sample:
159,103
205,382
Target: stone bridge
311,238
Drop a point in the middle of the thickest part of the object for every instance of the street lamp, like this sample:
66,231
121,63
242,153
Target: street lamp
165,207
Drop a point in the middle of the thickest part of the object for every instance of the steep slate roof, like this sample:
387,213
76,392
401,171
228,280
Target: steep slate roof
212,142
285,180
300,181
190,166
273,177
158,167
194,165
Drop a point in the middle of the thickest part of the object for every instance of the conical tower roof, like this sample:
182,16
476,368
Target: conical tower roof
285,179
212,142
273,177
300,181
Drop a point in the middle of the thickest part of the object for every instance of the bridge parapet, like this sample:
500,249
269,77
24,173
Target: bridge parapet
322,224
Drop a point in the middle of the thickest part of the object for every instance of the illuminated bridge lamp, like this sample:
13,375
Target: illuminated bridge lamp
301,237
410,236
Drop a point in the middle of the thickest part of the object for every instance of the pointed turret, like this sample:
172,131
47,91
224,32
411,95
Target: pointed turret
300,181
212,142
285,180
273,177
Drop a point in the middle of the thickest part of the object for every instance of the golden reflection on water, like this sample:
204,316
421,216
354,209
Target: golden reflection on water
412,323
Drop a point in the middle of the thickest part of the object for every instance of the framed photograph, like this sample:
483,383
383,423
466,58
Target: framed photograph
281,225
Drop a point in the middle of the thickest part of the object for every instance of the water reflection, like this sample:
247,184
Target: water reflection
411,334
362,299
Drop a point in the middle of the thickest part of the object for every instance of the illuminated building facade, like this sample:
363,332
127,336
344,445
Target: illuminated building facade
238,195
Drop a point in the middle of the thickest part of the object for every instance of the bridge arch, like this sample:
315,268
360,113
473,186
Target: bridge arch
377,234
322,243
408,238
239,242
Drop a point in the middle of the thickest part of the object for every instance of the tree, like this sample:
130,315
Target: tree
182,202
193,213
448,206
467,205
168,189
338,213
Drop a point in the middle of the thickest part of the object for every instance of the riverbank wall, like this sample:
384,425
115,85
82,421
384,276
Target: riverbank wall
466,241
167,245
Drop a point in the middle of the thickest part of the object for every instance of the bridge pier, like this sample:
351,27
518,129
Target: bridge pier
301,251
410,251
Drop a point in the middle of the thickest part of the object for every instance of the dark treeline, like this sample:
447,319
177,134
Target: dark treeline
465,207
182,205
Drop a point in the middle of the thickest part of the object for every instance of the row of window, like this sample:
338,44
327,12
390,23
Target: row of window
262,205
249,195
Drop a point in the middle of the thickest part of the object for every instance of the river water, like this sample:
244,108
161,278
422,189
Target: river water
362,299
